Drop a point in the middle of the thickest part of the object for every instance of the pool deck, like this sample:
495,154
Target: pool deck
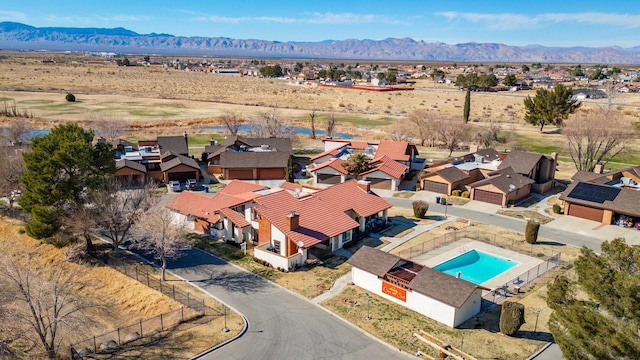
438,256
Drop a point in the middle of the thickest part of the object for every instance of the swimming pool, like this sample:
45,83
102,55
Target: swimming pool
476,266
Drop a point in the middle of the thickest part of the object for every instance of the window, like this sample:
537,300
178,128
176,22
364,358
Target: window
276,246
346,237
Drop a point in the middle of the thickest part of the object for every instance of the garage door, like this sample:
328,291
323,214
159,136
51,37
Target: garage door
435,187
488,197
377,183
182,176
328,179
240,174
271,173
586,212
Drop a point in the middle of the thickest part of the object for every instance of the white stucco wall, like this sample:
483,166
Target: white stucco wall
322,159
420,303
381,175
178,219
279,235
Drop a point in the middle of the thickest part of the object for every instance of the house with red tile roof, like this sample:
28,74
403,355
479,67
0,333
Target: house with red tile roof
227,214
390,161
294,228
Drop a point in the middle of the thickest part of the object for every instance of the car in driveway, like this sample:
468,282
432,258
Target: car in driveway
192,184
174,185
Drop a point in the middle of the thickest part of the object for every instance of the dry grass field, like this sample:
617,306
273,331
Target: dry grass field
123,301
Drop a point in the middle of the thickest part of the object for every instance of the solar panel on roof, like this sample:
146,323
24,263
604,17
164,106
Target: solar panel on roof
594,193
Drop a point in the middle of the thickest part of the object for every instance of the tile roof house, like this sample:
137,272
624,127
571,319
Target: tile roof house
227,214
293,228
249,158
434,294
330,172
609,198
390,161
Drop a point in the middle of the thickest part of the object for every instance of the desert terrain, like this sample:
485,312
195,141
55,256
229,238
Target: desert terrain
157,100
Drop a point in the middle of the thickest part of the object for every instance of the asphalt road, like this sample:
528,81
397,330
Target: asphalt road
281,324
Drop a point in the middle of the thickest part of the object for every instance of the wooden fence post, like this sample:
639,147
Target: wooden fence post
148,280
181,313
161,323
137,273
118,336
188,302
95,346
174,291
202,306
140,327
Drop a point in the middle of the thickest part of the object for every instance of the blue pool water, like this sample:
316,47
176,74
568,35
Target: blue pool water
476,266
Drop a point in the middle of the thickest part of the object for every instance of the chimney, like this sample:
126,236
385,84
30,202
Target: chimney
364,185
554,155
293,219
212,142
186,141
598,168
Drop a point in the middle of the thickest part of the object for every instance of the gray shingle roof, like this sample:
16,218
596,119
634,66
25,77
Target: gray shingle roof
503,179
249,159
442,287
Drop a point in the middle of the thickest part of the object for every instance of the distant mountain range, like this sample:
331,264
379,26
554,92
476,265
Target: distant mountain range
20,36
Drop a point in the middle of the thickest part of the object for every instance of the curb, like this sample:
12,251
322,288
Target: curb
537,353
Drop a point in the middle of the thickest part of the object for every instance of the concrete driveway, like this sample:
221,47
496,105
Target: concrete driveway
282,325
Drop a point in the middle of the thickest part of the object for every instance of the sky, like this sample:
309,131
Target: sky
542,22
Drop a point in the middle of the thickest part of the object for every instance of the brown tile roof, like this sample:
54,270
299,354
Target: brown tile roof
237,187
323,213
434,284
178,160
387,166
335,164
453,174
194,204
396,150
122,163
177,144
373,261
522,162
235,217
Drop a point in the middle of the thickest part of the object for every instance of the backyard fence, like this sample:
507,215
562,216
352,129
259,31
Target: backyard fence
133,271
499,293
134,331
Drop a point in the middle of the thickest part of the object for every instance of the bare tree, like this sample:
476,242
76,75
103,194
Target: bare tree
425,122
401,130
119,207
157,232
11,169
271,124
488,136
108,126
233,122
331,124
45,301
597,137
451,132
17,132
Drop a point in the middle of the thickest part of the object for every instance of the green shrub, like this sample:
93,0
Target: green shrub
465,194
70,97
221,177
420,208
511,317
531,232
556,209
456,193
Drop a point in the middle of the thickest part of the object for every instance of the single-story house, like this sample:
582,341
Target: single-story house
330,172
445,180
537,167
385,173
249,158
436,295
130,173
501,187
294,228
610,198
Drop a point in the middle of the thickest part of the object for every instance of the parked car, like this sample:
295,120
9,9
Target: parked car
192,184
174,185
